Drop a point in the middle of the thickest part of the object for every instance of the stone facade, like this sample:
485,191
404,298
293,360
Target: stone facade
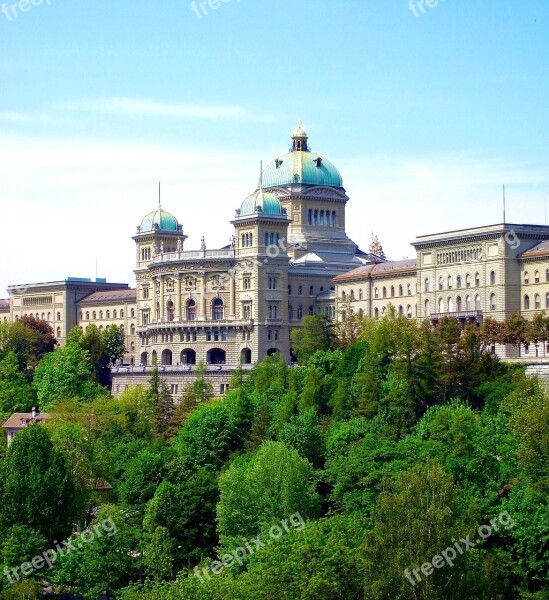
289,257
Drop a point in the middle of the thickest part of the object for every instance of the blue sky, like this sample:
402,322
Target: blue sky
426,117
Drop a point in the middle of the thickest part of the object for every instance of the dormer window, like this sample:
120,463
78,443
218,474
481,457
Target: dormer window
278,163
318,162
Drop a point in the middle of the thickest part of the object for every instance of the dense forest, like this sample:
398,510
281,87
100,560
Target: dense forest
397,461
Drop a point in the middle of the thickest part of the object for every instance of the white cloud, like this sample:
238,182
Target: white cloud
65,202
132,107
27,118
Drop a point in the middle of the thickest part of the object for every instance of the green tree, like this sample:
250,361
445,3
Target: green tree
105,563
38,490
258,491
143,475
114,346
64,374
158,555
16,392
187,511
21,545
314,335
413,522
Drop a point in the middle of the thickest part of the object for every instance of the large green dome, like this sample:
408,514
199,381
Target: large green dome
268,203
159,220
300,165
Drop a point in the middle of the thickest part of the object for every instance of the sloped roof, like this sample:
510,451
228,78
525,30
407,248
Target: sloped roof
4,304
20,420
129,295
379,270
540,249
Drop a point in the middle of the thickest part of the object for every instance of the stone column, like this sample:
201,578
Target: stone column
203,314
232,299
178,316
161,300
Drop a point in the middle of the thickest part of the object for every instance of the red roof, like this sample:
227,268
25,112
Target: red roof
541,249
20,420
383,269
129,295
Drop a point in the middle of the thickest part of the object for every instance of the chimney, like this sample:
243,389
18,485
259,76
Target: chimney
34,412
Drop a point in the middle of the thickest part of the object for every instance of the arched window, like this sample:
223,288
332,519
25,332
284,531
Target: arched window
171,310
526,278
385,292
101,314
376,313
537,302
218,309
477,280
458,281
360,294
343,296
87,315
440,283
376,293
400,290
191,310
409,311
536,277
352,295
440,305
467,302
427,308
450,282
547,275
315,217
467,280
426,285
392,291
492,302
527,302
334,218
492,278
450,305
133,313
114,314
121,314
477,302
167,358
400,311
458,303
132,329
59,332
409,289
547,300
94,314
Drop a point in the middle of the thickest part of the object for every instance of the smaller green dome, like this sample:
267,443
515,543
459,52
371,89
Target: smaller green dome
266,202
159,219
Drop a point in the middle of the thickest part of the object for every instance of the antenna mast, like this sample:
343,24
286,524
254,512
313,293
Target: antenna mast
504,221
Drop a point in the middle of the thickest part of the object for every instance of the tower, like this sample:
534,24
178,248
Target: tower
261,230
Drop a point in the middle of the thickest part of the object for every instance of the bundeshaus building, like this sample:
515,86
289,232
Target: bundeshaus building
289,257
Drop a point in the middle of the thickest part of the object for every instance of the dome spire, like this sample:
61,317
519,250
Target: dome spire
300,139
159,203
